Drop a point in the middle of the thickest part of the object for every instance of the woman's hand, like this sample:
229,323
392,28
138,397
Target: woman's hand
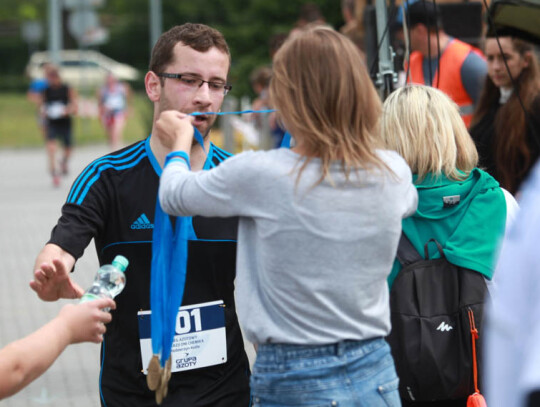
175,130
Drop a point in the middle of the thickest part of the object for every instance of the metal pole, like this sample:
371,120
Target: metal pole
55,30
266,135
386,78
229,104
156,22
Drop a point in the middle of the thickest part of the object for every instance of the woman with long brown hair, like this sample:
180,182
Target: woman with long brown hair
506,124
318,231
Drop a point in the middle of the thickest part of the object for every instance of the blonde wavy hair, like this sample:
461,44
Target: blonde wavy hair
326,99
423,125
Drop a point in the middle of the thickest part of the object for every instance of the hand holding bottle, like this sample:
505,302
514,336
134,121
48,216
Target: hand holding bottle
85,322
110,280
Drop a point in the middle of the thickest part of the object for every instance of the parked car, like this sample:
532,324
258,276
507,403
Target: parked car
81,68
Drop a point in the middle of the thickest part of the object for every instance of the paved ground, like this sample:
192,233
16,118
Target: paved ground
29,208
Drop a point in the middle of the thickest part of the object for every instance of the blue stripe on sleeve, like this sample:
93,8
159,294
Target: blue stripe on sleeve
103,167
82,184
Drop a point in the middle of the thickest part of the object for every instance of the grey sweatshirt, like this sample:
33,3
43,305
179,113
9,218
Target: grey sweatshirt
312,261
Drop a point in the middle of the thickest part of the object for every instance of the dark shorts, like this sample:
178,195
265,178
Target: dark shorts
61,132
111,116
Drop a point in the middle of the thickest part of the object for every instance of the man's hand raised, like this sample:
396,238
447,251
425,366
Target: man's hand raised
51,276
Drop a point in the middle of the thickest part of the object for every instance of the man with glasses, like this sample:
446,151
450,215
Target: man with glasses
113,201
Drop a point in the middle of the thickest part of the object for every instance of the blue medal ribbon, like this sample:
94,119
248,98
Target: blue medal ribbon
168,270
225,113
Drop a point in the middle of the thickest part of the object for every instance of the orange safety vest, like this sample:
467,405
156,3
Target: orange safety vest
450,81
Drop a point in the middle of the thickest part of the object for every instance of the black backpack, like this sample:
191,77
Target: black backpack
436,307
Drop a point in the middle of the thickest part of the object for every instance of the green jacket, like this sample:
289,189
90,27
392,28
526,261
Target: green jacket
469,227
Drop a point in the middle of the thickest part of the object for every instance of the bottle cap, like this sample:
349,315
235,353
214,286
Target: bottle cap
120,262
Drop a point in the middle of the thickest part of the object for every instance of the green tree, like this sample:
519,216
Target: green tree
247,25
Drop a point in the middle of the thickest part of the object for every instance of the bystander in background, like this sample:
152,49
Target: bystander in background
260,82
275,42
441,61
310,16
353,27
506,124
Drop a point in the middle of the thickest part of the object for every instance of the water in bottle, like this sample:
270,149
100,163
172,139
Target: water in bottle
109,281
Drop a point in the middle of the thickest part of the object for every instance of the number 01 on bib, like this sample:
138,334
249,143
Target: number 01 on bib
200,338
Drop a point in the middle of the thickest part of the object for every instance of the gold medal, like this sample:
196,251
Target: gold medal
166,376
163,381
159,395
153,378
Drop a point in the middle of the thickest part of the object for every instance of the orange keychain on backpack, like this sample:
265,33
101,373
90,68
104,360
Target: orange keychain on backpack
476,399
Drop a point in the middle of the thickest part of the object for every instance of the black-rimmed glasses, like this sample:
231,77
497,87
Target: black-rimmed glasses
193,82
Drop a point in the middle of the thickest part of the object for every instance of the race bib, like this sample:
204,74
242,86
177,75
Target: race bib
115,102
200,338
56,110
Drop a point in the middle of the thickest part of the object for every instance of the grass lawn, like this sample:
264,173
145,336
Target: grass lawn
18,124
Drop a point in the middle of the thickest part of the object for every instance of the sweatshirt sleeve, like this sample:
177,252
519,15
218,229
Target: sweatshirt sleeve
409,192
217,192
411,197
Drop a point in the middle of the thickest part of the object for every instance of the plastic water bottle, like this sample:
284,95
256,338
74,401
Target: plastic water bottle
109,281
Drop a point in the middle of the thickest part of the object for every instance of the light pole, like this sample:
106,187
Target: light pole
55,30
156,22
386,77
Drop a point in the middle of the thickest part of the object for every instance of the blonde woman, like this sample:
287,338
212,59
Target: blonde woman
459,205
319,227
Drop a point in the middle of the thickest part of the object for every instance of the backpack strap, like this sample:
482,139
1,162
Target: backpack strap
475,399
406,253
439,248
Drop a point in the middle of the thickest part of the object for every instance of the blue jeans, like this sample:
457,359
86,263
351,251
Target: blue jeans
345,374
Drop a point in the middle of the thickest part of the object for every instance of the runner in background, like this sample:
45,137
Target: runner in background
113,100
35,89
58,103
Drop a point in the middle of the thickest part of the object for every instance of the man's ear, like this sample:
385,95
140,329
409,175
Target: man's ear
417,29
152,84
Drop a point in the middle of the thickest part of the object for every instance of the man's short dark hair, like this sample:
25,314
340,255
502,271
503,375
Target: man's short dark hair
424,12
261,76
200,37
276,41
310,12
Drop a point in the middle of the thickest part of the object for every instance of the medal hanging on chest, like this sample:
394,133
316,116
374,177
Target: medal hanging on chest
168,277
167,281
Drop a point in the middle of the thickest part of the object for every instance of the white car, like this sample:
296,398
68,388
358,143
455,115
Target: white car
81,68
